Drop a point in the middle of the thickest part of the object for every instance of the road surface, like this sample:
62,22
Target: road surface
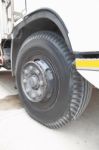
19,132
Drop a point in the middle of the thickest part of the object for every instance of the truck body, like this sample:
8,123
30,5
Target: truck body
75,21
78,17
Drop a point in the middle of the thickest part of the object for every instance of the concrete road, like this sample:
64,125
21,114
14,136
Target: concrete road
19,132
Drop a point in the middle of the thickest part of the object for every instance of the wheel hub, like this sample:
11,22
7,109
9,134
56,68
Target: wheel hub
37,79
34,81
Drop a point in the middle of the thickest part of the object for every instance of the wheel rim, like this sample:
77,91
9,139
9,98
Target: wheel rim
37,80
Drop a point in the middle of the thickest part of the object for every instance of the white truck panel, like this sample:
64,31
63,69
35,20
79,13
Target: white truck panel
81,18
91,76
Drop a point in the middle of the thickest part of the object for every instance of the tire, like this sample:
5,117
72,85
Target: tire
69,92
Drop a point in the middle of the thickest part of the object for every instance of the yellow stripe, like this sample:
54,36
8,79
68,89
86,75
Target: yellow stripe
87,63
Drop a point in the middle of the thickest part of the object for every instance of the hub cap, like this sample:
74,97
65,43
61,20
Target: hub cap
37,80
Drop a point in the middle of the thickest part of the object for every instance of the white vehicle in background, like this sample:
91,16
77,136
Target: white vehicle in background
52,49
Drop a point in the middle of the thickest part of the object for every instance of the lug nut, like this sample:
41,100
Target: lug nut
39,92
33,95
24,80
30,67
41,83
26,72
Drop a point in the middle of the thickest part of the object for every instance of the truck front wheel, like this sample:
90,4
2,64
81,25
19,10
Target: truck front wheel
50,87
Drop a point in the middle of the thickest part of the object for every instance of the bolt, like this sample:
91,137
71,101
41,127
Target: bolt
26,71
41,83
24,80
33,95
30,67
39,92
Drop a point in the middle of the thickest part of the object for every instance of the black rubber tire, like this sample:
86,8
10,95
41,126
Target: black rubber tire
74,92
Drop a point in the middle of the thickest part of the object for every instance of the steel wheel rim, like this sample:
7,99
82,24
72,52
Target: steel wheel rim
36,80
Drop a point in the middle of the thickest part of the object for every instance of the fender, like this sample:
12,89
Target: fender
42,19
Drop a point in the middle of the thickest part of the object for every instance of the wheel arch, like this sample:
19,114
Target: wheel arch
42,19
